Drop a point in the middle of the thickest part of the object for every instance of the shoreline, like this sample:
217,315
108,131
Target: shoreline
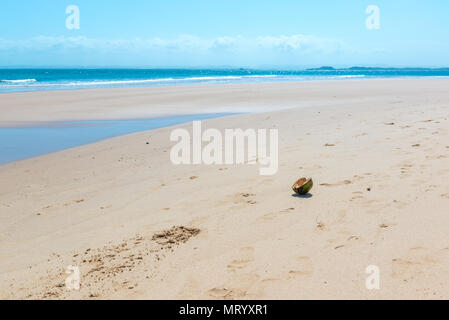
19,139
180,85
343,78
377,151
19,108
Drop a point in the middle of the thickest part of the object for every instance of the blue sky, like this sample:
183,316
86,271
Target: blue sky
238,33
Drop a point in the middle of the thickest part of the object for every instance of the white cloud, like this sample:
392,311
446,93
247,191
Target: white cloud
184,50
300,42
296,43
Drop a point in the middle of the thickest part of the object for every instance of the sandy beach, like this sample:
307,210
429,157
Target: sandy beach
139,227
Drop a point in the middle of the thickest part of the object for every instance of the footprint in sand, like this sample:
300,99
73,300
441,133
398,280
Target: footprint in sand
405,168
238,198
237,287
219,292
266,283
226,294
247,195
305,268
357,197
429,188
399,204
345,243
360,135
74,201
242,260
274,215
321,225
341,183
417,262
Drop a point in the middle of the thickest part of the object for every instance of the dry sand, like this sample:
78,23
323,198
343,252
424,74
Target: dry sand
141,228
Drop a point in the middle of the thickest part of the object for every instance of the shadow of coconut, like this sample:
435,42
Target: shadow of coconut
302,196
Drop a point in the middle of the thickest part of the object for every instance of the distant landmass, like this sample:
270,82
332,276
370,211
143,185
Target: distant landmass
330,68
326,68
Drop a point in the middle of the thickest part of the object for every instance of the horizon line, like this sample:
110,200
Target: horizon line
277,68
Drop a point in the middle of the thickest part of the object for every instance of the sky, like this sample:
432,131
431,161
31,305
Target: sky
230,33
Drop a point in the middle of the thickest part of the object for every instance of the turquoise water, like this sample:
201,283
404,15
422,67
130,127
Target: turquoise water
18,80
25,142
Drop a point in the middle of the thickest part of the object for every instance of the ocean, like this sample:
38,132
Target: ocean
20,80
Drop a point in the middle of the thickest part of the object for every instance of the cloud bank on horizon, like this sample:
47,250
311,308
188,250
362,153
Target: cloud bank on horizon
185,50
203,33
